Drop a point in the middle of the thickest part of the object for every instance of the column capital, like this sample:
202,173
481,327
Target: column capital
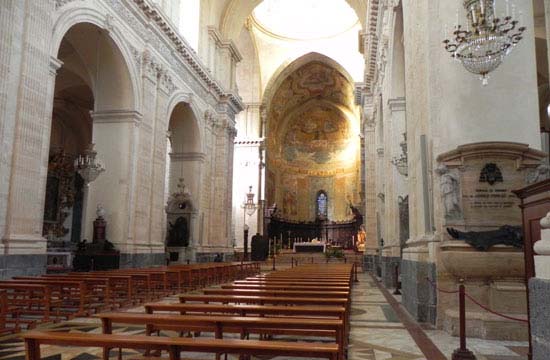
55,64
116,116
187,156
397,104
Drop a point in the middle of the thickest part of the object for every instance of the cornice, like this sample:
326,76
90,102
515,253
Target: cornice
163,37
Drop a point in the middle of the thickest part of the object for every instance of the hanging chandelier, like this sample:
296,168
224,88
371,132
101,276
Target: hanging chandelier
88,166
487,39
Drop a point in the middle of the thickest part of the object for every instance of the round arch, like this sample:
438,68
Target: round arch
180,97
86,15
287,68
236,12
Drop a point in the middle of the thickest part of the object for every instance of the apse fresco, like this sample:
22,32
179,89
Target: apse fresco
317,135
313,144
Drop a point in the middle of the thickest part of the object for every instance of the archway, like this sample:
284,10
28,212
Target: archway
93,94
312,148
183,176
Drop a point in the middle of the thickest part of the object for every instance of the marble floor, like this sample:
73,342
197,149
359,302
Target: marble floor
379,330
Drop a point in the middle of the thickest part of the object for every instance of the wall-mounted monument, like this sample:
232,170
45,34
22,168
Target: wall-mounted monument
180,215
483,242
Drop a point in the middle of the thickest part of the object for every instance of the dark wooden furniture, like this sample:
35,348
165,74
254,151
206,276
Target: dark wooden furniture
174,346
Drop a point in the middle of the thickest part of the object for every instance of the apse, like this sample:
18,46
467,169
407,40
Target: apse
313,144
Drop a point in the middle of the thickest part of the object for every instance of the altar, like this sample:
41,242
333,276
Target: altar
309,247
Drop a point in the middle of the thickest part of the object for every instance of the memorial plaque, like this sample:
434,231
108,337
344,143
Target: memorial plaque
484,176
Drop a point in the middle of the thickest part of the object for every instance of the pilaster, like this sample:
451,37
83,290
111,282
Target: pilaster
116,138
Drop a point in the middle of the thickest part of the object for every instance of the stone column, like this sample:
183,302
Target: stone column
371,226
141,252
26,101
539,290
157,219
116,138
395,189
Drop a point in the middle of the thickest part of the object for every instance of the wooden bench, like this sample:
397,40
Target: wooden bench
220,325
285,287
337,312
111,291
278,293
175,345
29,304
263,300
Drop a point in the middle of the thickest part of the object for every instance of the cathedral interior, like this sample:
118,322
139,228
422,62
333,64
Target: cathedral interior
408,140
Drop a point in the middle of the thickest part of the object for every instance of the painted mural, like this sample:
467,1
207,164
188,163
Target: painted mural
317,135
313,144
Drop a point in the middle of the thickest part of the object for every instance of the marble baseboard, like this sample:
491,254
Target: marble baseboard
142,260
370,263
387,266
22,265
539,301
419,297
203,257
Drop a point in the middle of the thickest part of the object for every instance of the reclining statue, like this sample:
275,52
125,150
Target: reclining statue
483,240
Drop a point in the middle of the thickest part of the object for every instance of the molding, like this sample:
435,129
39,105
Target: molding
525,156
55,64
157,31
224,44
116,116
188,156
397,104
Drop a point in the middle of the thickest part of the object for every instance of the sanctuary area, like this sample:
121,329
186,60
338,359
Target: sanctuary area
338,179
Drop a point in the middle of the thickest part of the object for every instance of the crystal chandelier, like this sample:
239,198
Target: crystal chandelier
249,205
401,162
487,39
88,166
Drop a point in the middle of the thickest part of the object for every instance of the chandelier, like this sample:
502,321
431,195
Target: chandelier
249,206
487,39
401,162
88,166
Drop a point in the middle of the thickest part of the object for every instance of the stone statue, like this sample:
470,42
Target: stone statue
483,240
178,234
100,211
449,185
542,172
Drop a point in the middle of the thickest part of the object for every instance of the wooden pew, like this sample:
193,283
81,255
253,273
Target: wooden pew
263,300
220,325
278,293
72,295
337,312
285,287
29,304
111,291
174,346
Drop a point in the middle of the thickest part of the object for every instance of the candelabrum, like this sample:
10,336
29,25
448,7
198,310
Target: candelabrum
88,166
401,162
486,40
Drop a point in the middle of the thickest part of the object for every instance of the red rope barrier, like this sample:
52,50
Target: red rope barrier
476,302
494,312
441,290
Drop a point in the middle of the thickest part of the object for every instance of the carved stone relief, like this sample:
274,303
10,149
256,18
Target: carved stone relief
450,192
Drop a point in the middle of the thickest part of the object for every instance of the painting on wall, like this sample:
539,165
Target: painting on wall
316,135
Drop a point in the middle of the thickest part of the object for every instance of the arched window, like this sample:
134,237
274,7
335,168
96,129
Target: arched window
322,205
